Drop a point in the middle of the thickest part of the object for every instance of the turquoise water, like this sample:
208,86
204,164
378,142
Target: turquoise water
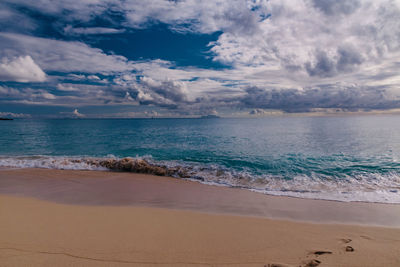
353,158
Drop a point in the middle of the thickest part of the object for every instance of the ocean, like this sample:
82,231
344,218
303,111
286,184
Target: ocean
343,158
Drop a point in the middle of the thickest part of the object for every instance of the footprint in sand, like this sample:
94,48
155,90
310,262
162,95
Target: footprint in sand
321,252
312,263
305,263
347,241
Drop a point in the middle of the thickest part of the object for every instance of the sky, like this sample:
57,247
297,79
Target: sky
185,58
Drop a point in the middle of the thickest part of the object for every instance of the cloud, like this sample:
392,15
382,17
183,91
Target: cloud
310,36
21,69
93,77
147,91
25,95
48,96
318,38
167,90
257,111
67,87
83,10
323,96
337,7
310,55
181,16
20,22
74,114
77,114
186,16
76,77
62,56
92,30
14,115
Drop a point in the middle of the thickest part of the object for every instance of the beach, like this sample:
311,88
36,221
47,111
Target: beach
94,218
200,133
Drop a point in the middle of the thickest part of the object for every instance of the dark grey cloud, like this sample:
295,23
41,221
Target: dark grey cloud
337,7
324,66
257,111
323,96
171,90
346,59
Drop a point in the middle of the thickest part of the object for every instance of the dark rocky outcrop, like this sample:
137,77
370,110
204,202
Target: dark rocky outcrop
140,166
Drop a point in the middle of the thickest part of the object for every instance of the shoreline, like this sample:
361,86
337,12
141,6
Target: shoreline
4,168
352,189
101,188
89,218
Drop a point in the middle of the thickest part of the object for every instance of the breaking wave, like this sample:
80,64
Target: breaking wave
372,187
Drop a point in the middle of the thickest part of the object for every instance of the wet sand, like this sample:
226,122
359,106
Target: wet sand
88,218
122,188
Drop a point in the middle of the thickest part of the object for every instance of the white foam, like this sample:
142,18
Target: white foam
366,188
61,163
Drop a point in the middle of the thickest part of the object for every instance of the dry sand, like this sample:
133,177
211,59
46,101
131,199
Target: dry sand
132,220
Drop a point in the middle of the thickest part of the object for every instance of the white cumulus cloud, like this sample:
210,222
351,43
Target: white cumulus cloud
21,69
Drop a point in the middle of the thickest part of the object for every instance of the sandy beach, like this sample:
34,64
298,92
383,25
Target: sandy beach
90,218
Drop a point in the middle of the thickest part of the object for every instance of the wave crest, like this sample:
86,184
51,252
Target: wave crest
367,187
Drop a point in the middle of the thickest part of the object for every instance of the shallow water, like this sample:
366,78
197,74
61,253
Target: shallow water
349,158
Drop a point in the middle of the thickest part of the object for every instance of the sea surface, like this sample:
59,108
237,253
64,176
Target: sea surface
346,158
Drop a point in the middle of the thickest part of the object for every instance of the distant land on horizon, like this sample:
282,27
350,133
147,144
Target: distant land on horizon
210,117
